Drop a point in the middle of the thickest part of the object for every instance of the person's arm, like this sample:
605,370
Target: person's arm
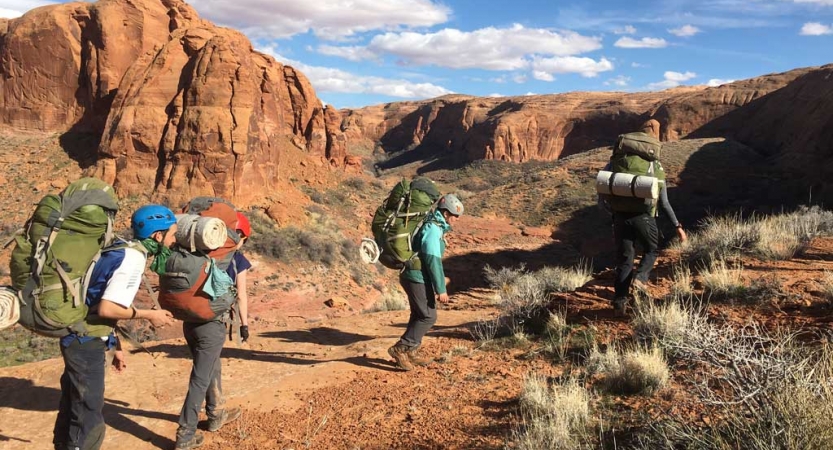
666,208
243,305
111,310
431,256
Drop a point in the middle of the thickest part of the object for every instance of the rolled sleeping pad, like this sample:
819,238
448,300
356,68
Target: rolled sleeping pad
627,185
9,307
200,233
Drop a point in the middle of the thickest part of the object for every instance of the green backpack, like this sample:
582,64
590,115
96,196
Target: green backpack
399,218
54,255
636,154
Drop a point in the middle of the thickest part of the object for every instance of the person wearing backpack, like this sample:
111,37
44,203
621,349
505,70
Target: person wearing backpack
205,335
634,219
113,284
237,271
425,282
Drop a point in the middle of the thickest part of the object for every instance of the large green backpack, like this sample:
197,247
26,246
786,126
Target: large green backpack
636,154
399,218
54,255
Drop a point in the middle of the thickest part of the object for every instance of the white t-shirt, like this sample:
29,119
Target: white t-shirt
124,284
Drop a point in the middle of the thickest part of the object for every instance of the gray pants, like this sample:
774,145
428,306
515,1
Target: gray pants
423,312
205,340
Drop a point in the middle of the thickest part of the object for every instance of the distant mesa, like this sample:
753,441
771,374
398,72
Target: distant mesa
180,104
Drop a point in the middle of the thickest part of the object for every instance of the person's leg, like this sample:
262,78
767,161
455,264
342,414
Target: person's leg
625,253
80,422
206,342
423,313
645,227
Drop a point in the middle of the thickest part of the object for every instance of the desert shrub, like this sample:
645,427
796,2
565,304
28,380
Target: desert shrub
762,389
637,371
554,417
502,277
485,330
355,183
391,300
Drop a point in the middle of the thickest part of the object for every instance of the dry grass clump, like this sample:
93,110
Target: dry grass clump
663,322
779,237
637,371
554,417
682,285
827,285
556,336
721,280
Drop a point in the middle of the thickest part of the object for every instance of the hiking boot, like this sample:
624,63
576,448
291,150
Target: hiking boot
196,441
416,359
619,305
227,415
399,353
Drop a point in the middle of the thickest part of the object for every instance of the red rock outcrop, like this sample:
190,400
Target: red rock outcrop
546,127
186,108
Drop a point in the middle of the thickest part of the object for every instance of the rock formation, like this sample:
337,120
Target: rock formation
547,127
183,107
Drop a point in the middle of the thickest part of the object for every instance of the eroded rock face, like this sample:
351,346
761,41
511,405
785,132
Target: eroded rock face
547,127
185,108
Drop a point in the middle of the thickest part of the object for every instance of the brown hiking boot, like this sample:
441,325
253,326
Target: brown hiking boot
416,359
619,306
196,441
227,415
400,354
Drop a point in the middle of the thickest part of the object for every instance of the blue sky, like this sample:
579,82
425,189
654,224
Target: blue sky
362,52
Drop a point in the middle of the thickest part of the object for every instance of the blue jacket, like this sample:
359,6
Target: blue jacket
430,244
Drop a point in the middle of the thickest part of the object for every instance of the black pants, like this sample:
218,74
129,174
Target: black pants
423,305
80,423
205,341
629,230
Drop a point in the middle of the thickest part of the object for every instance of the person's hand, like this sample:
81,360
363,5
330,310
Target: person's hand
244,333
160,317
681,234
442,298
118,361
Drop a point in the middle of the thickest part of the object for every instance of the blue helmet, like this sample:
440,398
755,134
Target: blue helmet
151,218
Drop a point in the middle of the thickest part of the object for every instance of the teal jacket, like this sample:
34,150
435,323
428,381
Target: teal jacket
431,246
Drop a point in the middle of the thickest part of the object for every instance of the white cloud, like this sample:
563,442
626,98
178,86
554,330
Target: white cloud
646,42
351,53
10,9
815,29
685,31
586,67
618,81
487,48
519,78
530,93
627,29
636,65
326,18
542,76
326,79
714,82
495,95
672,79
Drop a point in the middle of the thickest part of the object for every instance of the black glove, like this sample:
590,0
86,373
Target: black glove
244,332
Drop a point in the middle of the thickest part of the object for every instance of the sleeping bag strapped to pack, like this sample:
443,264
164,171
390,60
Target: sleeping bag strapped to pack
54,255
636,154
195,286
398,219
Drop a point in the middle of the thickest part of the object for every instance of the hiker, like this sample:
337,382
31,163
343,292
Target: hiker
237,271
427,286
634,220
204,327
113,285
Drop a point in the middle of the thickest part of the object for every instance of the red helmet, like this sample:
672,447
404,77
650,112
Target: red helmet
243,224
